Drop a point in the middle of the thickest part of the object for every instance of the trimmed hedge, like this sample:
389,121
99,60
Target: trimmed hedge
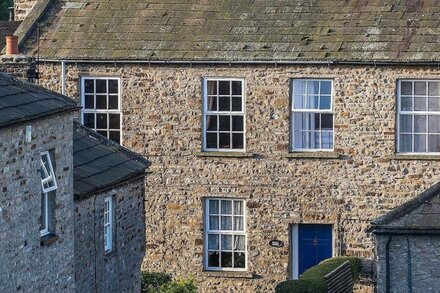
162,283
312,280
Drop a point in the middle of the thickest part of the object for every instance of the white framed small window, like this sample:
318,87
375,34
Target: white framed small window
48,180
101,106
108,224
224,114
311,117
418,116
44,220
225,234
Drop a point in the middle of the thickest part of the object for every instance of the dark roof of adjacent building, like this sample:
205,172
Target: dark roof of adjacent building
420,213
99,163
7,28
241,30
21,101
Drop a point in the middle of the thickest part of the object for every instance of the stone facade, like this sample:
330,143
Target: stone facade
26,264
118,271
22,8
162,119
17,65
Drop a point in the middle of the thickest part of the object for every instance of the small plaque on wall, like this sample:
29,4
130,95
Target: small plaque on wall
276,243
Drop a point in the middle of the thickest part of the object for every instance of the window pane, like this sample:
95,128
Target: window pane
327,139
434,88
300,140
213,242
89,86
101,86
89,102
224,87
101,121
239,242
406,123
325,103
114,121
211,122
419,104
237,141
113,102
238,207
101,102
434,104
301,121
226,259
326,87
420,143
406,88
89,120
212,104
236,104
104,133
236,88
112,86
405,143
419,88
213,207
299,102
226,223
224,141
406,103
224,104
298,87
43,212
212,87
213,223
226,207
312,87
237,123
434,123
211,140
238,223
226,242
327,121
434,143
115,136
316,140
213,258
239,259
419,123
312,102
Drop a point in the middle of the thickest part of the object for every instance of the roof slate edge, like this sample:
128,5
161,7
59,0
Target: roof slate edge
407,207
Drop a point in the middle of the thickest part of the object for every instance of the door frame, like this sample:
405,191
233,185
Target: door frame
294,247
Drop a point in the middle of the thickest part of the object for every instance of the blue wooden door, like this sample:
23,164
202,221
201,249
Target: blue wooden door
314,245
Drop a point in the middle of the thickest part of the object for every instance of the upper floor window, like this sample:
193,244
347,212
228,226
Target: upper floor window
311,115
108,224
101,106
48,180
418,119
223,115
49,185
225,226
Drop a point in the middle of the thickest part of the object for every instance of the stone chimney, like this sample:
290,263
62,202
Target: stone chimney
22,8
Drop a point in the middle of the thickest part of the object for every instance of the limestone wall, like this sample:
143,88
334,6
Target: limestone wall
26,265
22,8
162,118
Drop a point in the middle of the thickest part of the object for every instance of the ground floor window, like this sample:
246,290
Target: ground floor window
225,236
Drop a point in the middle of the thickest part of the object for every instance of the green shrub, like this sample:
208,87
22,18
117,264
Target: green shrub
312,280
163,283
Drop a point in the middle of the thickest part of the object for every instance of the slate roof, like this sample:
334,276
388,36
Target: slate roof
7,28
420,213
99,163
241,30
22,101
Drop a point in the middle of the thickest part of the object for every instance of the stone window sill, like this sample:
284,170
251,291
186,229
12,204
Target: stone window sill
312,155
48,239
224,155
415,157
229,274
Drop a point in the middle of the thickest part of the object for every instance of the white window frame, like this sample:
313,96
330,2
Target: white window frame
45,230
316,111
224,232
412,113
49,174
108,224
102,111
236,113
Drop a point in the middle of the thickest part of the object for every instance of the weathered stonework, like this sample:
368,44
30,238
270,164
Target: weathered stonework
117,271
26,265
162,116
16,65
23,7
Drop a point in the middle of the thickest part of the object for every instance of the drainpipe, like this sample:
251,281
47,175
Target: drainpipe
387,264
63,77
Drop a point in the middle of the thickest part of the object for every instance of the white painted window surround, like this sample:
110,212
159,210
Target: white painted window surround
108,224
48,185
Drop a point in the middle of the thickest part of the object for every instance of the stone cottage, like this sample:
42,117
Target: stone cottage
407,244
72,201
295,121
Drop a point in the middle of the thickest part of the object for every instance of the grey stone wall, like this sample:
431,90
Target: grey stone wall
162,117
26,266
413,263
22,8
119,271
16,65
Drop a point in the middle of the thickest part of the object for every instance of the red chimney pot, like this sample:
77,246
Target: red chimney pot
11,45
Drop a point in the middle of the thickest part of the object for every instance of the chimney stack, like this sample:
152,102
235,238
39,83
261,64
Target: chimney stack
11,45
11,14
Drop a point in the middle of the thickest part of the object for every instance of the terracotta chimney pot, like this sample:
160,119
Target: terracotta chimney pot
11,45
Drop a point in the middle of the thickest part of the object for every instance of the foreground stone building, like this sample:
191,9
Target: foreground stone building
298,122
